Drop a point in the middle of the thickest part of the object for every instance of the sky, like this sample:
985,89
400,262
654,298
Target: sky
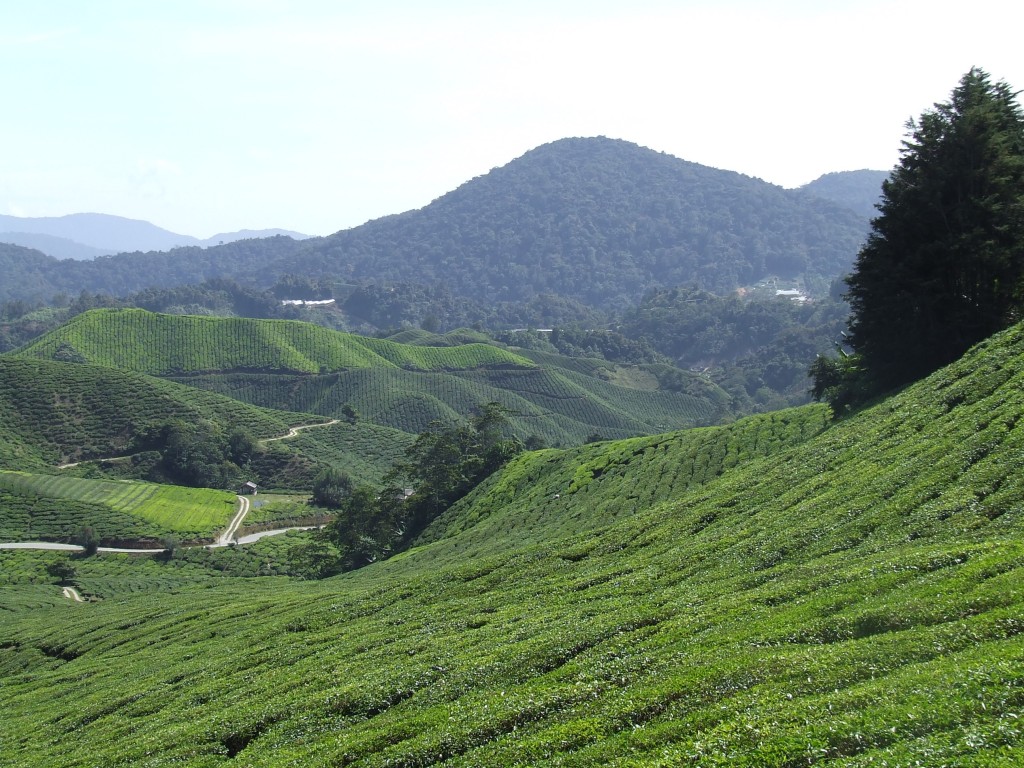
209,116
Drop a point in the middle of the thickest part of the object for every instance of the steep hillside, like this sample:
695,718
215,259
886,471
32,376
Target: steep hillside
55,412
298,366
601,221
544,495
855,600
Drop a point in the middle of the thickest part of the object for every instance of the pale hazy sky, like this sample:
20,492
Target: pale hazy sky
205,116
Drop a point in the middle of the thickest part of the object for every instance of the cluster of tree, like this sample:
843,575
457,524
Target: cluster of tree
441,467
757,349
198,453
943,267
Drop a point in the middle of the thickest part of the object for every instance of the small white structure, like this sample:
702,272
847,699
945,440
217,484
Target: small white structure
306,302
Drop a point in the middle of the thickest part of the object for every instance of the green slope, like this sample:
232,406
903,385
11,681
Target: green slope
53,508
854,600
294,366
549,494
559,405
160,345
53,412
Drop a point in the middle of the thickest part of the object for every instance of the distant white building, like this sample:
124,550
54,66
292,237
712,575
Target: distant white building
306,302
793,294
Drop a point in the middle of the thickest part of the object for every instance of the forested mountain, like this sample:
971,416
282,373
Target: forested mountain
857,190
32,275
594,220
601,221
51,245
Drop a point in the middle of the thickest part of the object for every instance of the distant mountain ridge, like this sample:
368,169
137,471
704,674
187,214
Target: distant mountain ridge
857,190
595,220
87,235
600,221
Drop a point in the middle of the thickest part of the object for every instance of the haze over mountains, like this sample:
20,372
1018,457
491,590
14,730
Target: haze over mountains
593,219
88,235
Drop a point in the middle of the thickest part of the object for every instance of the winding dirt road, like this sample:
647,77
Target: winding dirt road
72,594
243,509
294,431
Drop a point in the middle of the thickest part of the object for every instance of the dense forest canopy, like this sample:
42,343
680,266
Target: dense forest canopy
595,220
600,221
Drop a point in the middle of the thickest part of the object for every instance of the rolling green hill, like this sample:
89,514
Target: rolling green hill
297,366
544,495
53,508
855,599
161,345
54,412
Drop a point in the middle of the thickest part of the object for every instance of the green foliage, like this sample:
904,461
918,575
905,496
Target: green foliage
53,412
852,599
86,538
758,348
144,342
331,488
943,267
365,528
599,221
52,507
31,275
444,464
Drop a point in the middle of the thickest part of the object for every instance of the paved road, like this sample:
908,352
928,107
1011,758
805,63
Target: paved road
74,547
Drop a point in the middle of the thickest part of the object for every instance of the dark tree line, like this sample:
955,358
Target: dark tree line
943,267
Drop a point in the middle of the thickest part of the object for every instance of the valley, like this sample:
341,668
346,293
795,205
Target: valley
545,478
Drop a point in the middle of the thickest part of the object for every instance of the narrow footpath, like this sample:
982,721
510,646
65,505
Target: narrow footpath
72,594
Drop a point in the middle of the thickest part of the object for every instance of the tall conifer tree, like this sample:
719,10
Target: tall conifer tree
944,265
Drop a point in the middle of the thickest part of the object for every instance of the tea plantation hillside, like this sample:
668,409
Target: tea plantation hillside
295,366
55,412
547,494
161,345
854,600
55,508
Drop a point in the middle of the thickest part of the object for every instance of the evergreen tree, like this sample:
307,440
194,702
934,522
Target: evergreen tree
944,265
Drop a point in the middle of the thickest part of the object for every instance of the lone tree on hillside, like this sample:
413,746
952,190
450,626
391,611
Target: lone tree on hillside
943,267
